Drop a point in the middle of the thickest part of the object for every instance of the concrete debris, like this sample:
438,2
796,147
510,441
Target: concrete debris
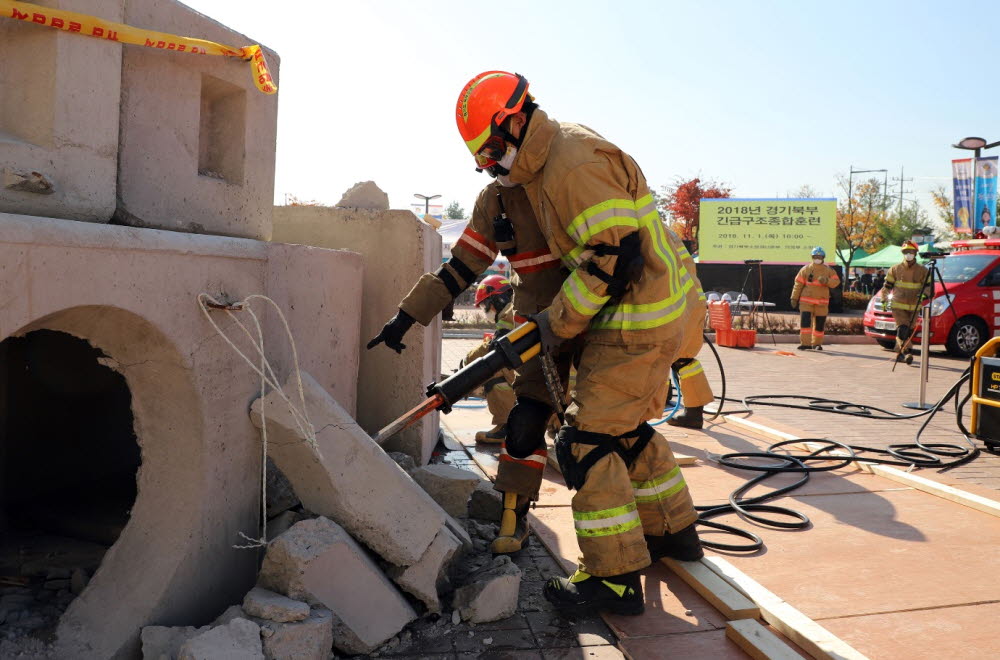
317,561
486,503
237,640
448,485
32,182
404,461
309,639
280,494
429,577
365,195
349,478
492,594
460,532
266,604
282,522
164,643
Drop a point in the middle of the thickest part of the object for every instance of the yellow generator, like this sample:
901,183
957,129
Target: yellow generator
986,394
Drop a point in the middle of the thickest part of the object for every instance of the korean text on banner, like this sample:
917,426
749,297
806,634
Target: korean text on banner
781,231
986,192
91,26
961,170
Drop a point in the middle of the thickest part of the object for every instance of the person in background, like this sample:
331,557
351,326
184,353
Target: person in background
907,281
811,295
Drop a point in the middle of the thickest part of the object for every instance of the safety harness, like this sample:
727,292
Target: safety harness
503,231
575,472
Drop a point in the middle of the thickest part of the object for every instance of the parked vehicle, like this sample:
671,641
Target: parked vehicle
965,312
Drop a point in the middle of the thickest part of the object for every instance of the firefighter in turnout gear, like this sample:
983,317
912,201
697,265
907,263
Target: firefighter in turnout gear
811,295
907,281
625,305
493,294
502,222
695,390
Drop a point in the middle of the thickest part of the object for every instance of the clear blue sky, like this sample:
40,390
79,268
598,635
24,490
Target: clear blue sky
765,96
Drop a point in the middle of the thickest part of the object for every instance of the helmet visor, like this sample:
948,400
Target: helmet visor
491,152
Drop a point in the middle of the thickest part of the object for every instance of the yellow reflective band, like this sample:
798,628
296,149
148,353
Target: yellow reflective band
900,305
476,143
597,218
607,522
91,26
617,588
579,576
660,488
689,370
910,285
582,299
645,316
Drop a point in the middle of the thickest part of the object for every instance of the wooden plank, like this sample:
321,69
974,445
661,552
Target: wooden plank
730,602
760,428
950,493
684,459
759,642
811,637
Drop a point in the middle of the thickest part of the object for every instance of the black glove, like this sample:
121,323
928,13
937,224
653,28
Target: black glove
393,331
497,336
550,340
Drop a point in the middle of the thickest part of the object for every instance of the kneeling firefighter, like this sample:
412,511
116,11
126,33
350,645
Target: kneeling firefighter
502,222
620,313
494,295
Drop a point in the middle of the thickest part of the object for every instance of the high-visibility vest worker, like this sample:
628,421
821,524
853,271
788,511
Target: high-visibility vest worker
811,295
627,290
907,281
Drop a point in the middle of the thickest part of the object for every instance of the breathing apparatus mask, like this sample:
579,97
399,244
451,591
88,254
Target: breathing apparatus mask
817,261
909,256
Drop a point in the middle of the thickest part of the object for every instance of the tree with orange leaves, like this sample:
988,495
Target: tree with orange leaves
859,219
682,200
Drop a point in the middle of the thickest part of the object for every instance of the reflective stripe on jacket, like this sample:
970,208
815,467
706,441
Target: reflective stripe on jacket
808,287
537,276
585,192
905,280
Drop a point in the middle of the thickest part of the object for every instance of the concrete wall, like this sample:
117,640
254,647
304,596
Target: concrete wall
132,294
397,249
59,96
197,138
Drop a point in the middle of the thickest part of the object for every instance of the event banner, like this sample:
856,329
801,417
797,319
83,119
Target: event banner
777,231
961,171
986,192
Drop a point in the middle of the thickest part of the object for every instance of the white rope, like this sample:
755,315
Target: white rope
267,378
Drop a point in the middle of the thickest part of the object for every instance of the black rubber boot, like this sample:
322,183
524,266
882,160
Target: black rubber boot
691,418
817,348
512,536
908,359
582,594
683,545
803,347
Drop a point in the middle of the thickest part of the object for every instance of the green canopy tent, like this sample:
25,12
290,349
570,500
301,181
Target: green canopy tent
858,254
886,257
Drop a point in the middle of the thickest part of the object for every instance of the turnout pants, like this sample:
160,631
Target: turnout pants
813,321
499,399
617,389
903,328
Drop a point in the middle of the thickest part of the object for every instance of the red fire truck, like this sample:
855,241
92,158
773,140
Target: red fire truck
965,311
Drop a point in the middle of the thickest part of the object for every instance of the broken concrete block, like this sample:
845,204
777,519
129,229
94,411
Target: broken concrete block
280,494
365,195
428,578
237,640
486,503
404,461
448,485
281,523
165,642
347,477
232,612
33,182
462,534
490,595
274,607
309,639
317,561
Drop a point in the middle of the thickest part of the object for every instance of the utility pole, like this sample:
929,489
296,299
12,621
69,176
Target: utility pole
902,183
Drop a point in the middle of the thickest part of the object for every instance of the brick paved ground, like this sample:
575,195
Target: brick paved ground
859,373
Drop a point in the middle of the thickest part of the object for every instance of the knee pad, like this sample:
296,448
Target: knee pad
526,425
903,332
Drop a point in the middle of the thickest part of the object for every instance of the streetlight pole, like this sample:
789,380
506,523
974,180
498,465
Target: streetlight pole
427,201
976,144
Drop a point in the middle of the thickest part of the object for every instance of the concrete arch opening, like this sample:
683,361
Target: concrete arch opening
68,465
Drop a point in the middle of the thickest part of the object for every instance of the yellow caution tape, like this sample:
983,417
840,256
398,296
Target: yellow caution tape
90,26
